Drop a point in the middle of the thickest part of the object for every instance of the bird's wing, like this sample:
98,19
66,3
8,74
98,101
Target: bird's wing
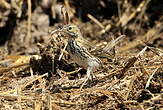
86,44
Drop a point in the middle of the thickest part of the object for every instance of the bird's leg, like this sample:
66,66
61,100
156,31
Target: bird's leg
89,70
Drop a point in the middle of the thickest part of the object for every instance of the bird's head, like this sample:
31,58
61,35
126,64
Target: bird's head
71,30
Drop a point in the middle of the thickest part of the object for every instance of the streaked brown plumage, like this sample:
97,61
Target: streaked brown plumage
79,52
78,47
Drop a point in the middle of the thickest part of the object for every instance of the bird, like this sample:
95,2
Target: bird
77,48
80,51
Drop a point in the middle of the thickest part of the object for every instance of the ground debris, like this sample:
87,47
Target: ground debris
39,74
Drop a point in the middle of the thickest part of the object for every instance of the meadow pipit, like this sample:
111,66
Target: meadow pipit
79,52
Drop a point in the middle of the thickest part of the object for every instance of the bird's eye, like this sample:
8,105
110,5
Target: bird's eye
70,28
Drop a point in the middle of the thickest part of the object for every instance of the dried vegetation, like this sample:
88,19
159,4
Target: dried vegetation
36,73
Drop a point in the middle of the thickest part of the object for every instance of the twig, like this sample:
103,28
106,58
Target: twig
5,4
2,70
132,61
105,29
131,85
65,15
112,43
125,19
49,102
38,106
63,51
96,21
28,83
151,35
159,96
63,102
142,11
119,10
28,39
19,98
149,80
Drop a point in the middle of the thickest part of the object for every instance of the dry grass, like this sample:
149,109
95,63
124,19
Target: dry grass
131,77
